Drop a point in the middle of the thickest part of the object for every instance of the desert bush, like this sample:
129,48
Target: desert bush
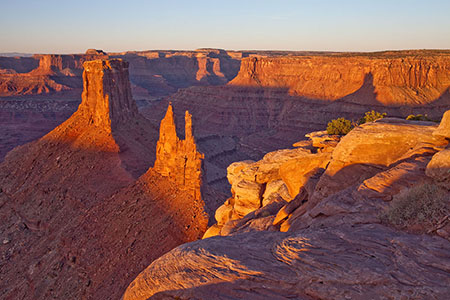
339,126
418,117
371,116
425,205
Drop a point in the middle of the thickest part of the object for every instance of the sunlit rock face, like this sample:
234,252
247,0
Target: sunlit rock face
178,159
332,239
82,209
397,80
106,98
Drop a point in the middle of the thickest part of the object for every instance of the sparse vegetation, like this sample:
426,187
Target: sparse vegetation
339,126
424,205
418,117
371,116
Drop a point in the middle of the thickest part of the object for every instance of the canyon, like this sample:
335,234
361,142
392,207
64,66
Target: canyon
77,201
315,222
208,174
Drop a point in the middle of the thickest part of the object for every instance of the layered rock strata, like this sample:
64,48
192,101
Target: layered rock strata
337,244
405,80
77,223
263,187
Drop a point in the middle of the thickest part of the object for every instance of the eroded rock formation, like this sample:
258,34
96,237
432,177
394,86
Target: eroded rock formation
405,80
176,159
268,185
334,245
78,223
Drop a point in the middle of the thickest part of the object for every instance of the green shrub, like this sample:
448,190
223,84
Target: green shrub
418,117
424,205
339,126
371,116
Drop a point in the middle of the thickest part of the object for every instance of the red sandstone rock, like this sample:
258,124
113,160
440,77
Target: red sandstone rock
439,167
79,225
370,148
369,261
333,247
296,172
444,127
178,159
333,77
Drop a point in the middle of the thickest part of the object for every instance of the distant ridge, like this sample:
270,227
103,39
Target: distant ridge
14,54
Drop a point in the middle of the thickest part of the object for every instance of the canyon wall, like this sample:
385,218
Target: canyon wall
45,89
53,74
152,73
274,100
414,79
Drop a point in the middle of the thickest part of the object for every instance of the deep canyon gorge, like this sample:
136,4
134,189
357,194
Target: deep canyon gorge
208,174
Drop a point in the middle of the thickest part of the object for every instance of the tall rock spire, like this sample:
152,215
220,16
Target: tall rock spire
106,98
178,159
107,109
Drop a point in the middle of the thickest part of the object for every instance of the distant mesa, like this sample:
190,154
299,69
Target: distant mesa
95,52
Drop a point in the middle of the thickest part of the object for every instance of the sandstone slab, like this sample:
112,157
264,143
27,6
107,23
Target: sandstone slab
371,148
296,172
444,127
364,261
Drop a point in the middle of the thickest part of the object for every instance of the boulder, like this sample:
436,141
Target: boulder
274,190
439,167
264,170
286,210
386,184
444,127
224,213
212,231
234,170
324,141
247,197
296,172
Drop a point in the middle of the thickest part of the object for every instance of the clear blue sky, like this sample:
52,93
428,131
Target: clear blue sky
52,26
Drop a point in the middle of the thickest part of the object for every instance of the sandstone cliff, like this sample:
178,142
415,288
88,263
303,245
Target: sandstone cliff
81,212
397,79
152,73
53,74
368,217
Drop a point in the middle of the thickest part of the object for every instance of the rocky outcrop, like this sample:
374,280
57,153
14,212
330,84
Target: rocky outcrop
333,263
82,211
338,244
105,115
179,160
417,78
259,189
444,127
106,99
439,167
371,148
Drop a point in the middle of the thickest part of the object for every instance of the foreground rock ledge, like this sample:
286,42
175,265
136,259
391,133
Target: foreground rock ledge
360,262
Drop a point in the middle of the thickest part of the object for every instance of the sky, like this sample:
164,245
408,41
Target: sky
63,26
